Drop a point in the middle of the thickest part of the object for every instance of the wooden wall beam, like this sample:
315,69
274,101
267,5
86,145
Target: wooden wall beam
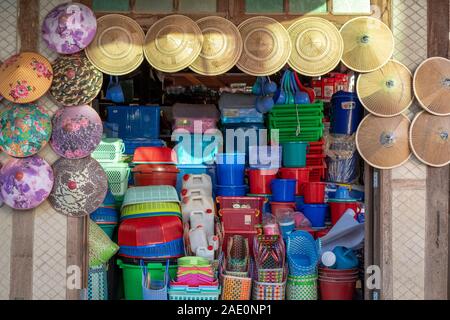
437,227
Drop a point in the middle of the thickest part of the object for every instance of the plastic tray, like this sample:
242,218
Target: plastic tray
306,134
137,195
291,121
311,109
109,150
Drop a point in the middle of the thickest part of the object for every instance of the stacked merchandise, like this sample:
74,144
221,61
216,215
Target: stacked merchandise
195,280
198,140
150,230
109,154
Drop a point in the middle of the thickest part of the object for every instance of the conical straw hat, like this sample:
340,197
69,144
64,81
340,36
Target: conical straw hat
267,46
432,85
383,142
173,43
25,77
317,46
117,46
222,46
429,139
368,44
387,91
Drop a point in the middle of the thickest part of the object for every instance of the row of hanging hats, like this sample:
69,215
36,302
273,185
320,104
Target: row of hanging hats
76,185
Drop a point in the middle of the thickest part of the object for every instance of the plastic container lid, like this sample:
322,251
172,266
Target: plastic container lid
328,258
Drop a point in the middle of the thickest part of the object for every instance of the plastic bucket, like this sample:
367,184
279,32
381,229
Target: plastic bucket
283,190
336,290
316,214
260,180
299,174
286,228
155,179
337,209
299,203
314,192
294,154
338,273
346,113
282,206
231,191
230,169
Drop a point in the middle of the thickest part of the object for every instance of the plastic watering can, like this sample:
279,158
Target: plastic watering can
345,258
114,91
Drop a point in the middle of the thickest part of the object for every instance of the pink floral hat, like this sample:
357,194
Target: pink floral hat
26,77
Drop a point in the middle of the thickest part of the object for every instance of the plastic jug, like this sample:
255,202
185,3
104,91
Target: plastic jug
205,252
198,204
214,242
195,193
197,181
197,238
200,218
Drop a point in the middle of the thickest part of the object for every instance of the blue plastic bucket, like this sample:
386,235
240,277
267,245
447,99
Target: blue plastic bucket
346,113
294,154
316,214
230,169
283,190
287,228
231,191
299,203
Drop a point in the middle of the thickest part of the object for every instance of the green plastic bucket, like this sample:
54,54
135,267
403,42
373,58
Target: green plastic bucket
108,228
294,154
132,277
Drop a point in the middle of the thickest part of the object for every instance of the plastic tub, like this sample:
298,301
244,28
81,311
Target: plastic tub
346,113
132,277
230,169
294,154
337,209
336,290
283,190
316,214
133,121
282,206
231,191
247,202
155,174
299,174
240,219
314,192
260,180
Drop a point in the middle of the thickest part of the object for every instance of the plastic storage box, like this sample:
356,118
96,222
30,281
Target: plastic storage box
196,148
133,121
195,118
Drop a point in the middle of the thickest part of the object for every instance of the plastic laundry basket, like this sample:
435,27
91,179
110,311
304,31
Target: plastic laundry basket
98,283
301,287
158,288
109,150
118,174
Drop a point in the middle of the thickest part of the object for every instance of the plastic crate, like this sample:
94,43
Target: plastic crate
317,147
137,195
109,150
314,159
132,144
242,203
240,219
318,173
292,121
118,174
133,121
286,110
191,148
194,293
289,134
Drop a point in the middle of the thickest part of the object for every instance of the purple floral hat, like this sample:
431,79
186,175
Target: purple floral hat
26,183
69,28
77,131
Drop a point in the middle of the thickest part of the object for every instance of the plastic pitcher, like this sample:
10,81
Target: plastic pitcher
197,238
200,218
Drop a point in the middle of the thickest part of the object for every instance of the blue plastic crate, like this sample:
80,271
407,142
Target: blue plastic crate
133,121
196,148
174,248
132,144
196,169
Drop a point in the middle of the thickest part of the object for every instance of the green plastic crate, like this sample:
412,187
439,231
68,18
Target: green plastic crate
292,122
132,277
288,110
306,134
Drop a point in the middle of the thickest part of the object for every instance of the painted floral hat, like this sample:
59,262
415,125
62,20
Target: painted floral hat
80,186
77,131
24,129
76,81
25,77
26,183
69,28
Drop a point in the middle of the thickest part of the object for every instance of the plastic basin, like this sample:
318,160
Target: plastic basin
314,192
260,180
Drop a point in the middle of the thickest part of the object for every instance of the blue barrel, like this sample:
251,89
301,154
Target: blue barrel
346,113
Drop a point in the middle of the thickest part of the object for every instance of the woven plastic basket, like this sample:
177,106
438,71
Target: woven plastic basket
118,174
101,248
268,291
236,288
98,283
150,209
158,288
138,195
302,253
301,287
200,293
109,150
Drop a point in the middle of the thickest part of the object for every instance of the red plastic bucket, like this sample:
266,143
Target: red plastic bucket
314,192
337,209
336,290
260,180
155,175
299,174
282,206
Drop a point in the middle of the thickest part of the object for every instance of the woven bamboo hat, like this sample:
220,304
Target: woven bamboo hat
267,46
80,186
429,136
25,77
76,81
117,46
173,43
432,85
222,46
387,91
383,142
317,46
368,44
